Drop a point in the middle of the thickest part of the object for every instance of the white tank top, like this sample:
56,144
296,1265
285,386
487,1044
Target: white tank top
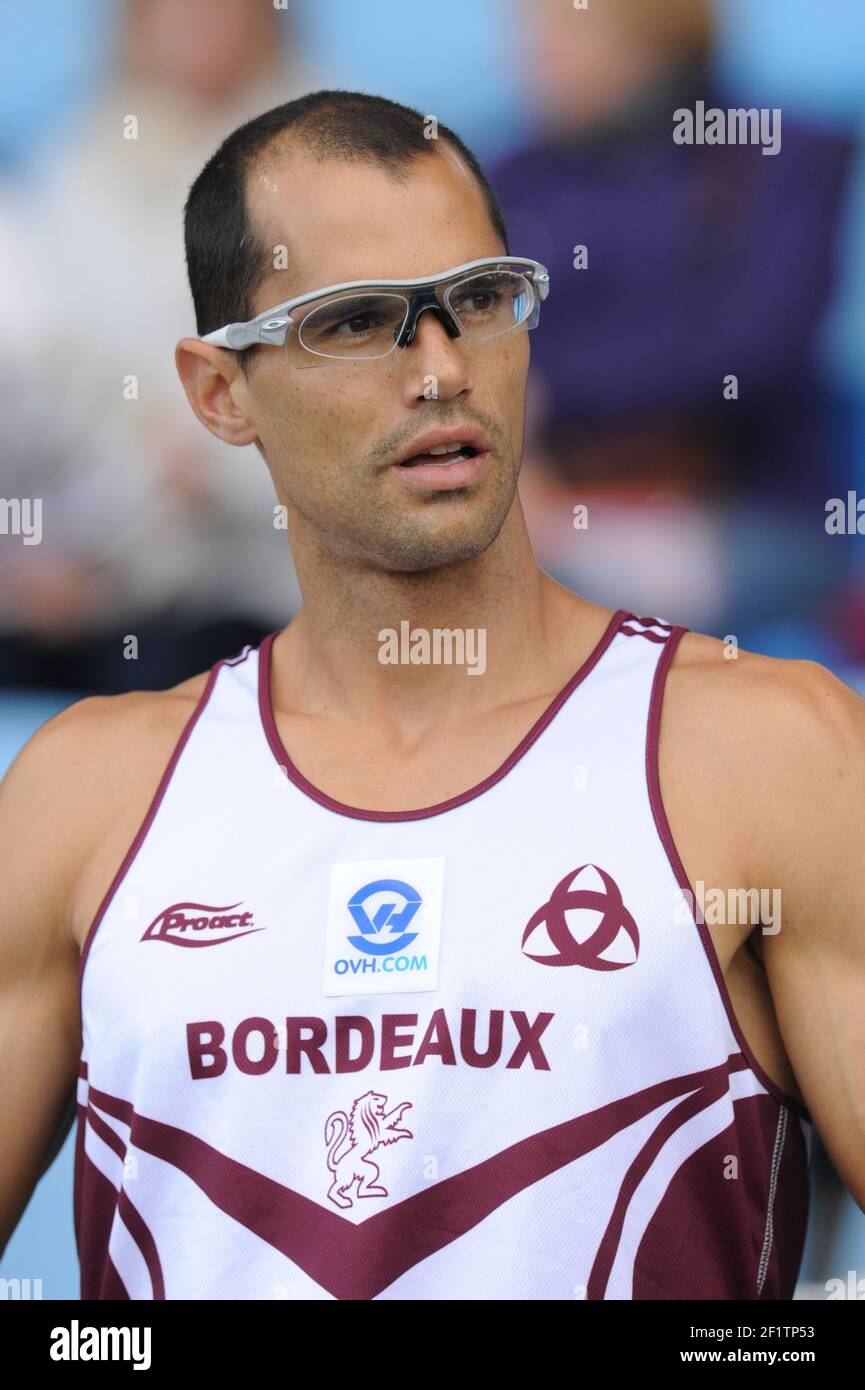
479,1050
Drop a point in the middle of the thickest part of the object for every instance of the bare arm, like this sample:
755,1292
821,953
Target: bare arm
812,790
44,822
69,808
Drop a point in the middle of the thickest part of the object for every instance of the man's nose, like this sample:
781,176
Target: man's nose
419,304
438,367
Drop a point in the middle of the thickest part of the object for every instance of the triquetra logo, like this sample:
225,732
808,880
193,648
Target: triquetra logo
584,918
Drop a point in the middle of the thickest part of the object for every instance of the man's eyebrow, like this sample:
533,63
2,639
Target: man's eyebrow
335,307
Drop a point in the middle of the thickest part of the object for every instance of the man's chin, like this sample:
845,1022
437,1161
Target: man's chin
421,553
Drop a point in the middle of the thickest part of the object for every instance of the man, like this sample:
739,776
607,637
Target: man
398,990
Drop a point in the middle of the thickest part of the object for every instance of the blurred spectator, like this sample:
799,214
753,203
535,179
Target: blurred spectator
702,261
151,526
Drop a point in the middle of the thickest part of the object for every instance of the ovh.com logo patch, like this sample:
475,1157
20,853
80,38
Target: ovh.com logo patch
384,926
383,911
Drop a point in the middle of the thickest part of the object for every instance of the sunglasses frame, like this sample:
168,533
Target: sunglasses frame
272,326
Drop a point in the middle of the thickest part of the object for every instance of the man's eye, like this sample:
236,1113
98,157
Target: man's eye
358,323
479,301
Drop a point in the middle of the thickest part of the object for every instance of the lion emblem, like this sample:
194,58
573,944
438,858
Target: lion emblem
368,1127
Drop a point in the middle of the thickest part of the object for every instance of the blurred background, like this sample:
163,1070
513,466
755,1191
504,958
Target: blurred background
705,508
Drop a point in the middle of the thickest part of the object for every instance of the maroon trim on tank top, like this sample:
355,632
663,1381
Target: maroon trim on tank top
129,1214
599,1278
663,827
97,1269
153,808
112,1287
342,808
636,632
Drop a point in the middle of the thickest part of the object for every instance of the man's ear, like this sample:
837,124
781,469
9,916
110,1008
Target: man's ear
216,389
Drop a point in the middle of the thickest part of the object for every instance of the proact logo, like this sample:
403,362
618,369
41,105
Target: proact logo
196,924
76,1343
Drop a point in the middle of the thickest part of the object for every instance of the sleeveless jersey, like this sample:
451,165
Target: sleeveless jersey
479,1050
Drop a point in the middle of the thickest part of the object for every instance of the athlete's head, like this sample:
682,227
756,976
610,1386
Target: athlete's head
334,187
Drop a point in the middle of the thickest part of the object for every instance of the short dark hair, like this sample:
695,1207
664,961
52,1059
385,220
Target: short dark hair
226,258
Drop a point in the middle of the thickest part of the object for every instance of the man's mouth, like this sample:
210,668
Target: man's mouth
441,456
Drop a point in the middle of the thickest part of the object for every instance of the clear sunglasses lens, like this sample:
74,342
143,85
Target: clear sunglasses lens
353,325
492,302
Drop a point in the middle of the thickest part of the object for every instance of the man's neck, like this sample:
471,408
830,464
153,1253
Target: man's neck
409,650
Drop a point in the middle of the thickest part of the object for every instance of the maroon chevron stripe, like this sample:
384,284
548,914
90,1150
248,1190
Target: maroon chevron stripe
360,1261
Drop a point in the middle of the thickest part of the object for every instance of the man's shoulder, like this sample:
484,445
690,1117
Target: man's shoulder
96,722
83,760
87,771
742,694
763,736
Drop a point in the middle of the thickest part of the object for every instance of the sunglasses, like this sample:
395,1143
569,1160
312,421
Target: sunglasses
364,320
